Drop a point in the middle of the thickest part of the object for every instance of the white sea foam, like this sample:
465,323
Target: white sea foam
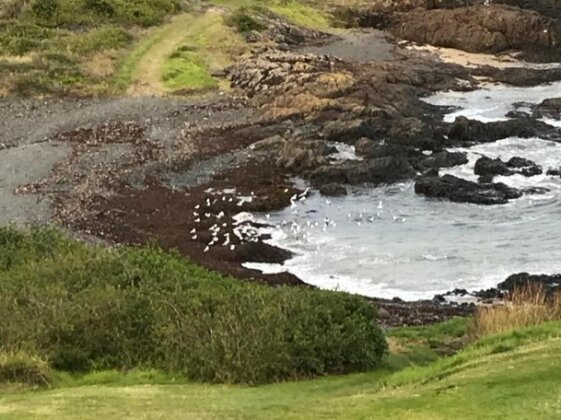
491,102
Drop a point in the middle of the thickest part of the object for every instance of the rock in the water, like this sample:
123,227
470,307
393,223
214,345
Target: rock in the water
444,159
554,172
524,166
377,171
333,189
460,190
465,131
490,167
549,282
487,168
549,108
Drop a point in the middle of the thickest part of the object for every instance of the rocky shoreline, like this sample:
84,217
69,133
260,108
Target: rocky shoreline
178,173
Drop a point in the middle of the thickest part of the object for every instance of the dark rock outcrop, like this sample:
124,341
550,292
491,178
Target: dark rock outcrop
444,159
489,29
487,168
524,166
377,171
464,131
550,282
449,187
490,167
549,108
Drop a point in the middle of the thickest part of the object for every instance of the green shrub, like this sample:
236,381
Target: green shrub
143,12
18,367
103,38
19,39
44,9
100,7
243,20
85,308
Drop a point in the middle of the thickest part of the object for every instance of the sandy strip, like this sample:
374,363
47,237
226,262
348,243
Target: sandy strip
474,60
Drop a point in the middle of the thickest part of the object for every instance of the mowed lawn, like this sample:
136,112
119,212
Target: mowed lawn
513,376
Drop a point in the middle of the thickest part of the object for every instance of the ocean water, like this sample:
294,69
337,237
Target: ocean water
388,242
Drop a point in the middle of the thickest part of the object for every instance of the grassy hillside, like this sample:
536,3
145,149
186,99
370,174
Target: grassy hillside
118,46
515,376
63,46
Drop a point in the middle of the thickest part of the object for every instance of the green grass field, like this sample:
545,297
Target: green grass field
514,376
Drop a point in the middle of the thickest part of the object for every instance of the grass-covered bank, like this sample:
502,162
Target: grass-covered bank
81,308
116,46
515,376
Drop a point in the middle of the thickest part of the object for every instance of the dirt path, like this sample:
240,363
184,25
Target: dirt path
147,78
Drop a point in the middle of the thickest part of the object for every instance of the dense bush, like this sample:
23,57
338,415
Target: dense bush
86,308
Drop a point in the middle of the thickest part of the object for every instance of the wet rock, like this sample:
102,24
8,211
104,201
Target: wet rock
459,190
490,167
517,114
377,171
554,172
524,166
333,190
550,282
444,159
464,131
549,108
535,190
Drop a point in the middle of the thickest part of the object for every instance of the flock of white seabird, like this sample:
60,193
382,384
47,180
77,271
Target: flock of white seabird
302,229
245,231
218,235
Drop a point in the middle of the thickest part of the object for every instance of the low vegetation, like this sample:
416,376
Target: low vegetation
23,368
515,374
84,308
525,306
